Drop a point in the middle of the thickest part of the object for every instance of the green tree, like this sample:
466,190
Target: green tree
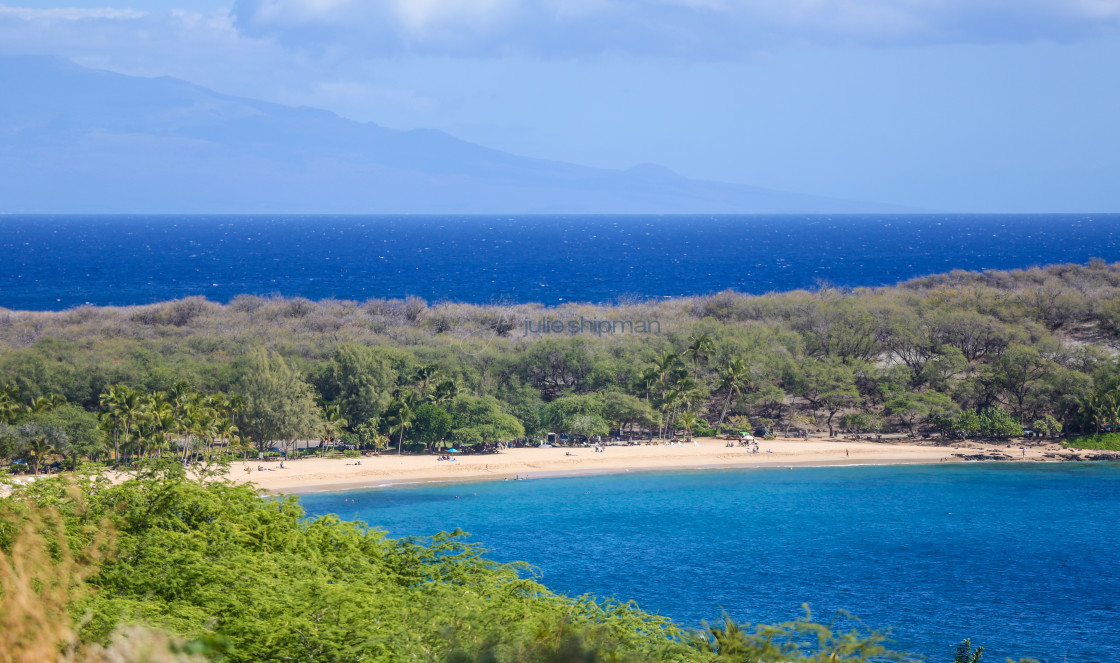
122,405
279,405
431,424
996,422
1018,371
476,420
82,435
700,347
567,413
828,385
1047,425
39,442
688,423
362,379
732,380
331,424
913,407
402,412
624,410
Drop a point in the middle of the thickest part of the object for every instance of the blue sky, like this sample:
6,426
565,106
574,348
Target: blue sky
956,105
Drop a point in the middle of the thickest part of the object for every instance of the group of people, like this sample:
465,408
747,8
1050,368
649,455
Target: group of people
447,457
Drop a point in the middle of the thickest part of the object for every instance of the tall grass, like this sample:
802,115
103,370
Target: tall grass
41,579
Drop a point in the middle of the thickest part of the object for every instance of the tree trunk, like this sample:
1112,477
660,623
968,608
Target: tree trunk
723,413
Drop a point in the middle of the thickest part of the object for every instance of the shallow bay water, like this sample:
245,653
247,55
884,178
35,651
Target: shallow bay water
1022,558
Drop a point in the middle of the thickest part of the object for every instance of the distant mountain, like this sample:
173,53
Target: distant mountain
78,140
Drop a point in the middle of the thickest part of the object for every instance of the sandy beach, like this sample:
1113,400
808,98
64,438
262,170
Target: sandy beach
319,474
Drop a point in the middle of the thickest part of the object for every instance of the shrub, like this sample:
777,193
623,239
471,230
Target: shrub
1105,441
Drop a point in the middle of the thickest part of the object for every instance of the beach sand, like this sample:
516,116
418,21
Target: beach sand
320,474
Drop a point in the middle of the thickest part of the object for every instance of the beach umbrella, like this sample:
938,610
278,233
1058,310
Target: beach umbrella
452,451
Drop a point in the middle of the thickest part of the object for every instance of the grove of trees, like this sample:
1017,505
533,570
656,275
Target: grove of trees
955,355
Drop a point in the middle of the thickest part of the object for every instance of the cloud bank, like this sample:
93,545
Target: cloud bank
679,29
705,29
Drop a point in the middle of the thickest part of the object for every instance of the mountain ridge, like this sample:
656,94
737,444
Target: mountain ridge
76,140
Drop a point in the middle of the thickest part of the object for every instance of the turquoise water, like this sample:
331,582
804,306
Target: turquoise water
1024,559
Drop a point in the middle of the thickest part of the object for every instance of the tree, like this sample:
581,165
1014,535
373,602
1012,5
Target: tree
556,365
732,379
689,422
966,654
996,422
830,386
913,407
122,405
1017,370
700,347
361,379
279,404
10,406
400,415
368,435
445,392
425,377
861,422
332,423
477,420
431,424
82,435
565,414
40,442
1047,425
626,410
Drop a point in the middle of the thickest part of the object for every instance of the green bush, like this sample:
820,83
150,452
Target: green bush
214,560
1105,441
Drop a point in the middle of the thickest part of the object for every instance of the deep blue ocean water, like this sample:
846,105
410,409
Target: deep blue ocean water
1022,558
56,262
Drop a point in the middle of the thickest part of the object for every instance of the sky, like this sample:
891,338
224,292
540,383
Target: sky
946,105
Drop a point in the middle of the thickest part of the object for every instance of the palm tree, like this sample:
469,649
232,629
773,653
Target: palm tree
401,416
227,432
669,401
648,380
688,422
445,391
425,377
701,346
732,380
333,422
9,404
46,403
37,450
665,364
123,404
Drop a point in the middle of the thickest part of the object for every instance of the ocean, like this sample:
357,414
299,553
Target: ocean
58,262
1022,558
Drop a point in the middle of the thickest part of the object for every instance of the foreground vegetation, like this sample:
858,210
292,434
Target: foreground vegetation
957,355
164,567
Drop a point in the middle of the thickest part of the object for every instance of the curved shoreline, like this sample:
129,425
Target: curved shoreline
316,475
